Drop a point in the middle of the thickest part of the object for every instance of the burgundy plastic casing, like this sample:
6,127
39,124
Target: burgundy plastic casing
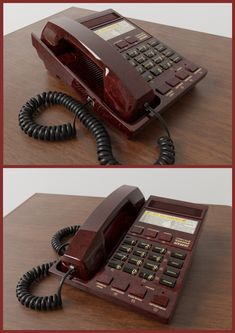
87,243
95,68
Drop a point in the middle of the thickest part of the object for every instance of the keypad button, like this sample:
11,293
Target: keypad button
120,256
135,261
144,245
120,285
192,68
173,81
157,59
182,74
163,89
130,269
130,241
153,42
149,53
124,248
143,48
176,58
140,59
115,264
137,291
167,237
165,64
126,56
148,76
133,53
152,267
160,47
121,44
139,253
131,39
141,69
157,70
151,233
156,258
132,62
159,249
160,300
168,52
105,279
178,255
147,275
172,272
148,64
167,281
137,230
175,263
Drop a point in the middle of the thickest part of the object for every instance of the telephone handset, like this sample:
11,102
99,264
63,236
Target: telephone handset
129,251
127,76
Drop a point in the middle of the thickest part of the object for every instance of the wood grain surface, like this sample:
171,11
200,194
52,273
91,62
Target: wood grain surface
200,122
205,302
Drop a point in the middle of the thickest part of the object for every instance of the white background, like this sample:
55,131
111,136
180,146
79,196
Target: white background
212,18
211,186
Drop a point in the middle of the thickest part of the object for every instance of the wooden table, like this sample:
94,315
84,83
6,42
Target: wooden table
206,298
200,122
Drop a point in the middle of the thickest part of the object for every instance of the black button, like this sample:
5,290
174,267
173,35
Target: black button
163,89
159,249
144,245
153,42
133,53
175,263
130,241
157,59
126,56
160,47
120,256
168,52
167,281
165,64
172,272
121,44
176,58
152,267
156,70
143,48
135,261
150,53
126,249
141,69
178,255
148,64
132,62
141,254
140,59
147,275
115,264
154,257
148,76
130,269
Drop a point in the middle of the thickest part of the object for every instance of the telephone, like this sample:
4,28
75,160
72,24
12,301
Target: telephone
129,251
127,76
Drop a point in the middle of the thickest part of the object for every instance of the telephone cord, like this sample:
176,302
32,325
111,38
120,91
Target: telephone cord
68,131
36,274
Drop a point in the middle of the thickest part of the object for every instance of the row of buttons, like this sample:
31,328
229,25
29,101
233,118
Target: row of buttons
137,291
164,236
125,42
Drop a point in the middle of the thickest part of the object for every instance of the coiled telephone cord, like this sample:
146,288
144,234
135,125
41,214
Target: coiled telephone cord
23,288
68,131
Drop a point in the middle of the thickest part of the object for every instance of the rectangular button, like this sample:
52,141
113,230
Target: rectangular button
115,264
160,47
137,291
144,245
178,255
150,53
141,69
182,74
131,39
148,77
176,58
168,52
163,89
133,53
172,272
157,70
148,64
173,81
121,44
140,59
152,267
159,58
192,68
135,261
147,275
153,42
133,63
151,233
159,249
130,269
138,253
175,263
105,279
130,241
120,285
143,48
156,258
120,256
137,230
167,281
160,300
124,248
165,236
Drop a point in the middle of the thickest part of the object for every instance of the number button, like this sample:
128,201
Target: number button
159,249
178,255
141,254
130,270
126,249
150,266
133,53
175,263
166,281
146,275
144,245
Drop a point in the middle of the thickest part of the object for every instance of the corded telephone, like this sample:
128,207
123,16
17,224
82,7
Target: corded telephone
126,75
129,251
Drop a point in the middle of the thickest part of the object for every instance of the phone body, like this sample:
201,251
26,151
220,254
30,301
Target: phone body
117,65
135,252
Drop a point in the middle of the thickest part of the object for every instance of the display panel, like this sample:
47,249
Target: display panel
169,221
115,29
